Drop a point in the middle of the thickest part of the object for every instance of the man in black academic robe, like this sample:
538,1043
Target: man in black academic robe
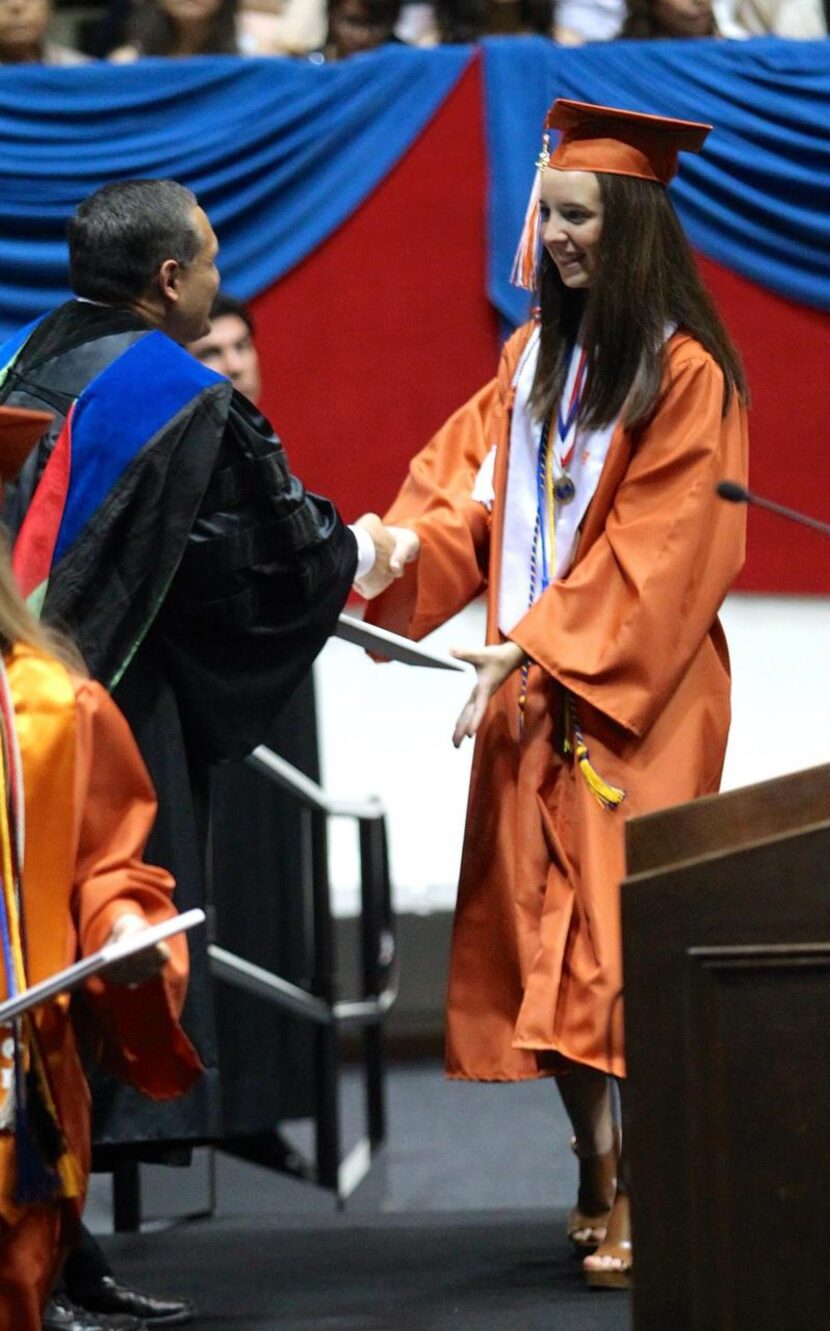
158,523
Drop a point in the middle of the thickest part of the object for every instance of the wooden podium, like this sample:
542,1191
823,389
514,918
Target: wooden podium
726,941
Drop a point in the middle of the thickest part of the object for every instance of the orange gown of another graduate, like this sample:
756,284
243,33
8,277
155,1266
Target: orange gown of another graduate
631,633
89,807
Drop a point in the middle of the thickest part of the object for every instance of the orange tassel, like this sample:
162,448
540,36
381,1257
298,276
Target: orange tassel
525,270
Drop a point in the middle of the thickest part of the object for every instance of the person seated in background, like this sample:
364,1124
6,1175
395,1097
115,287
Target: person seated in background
579,21
468,20
24,36
282,27
355,26
569,23
78,808
180,28
804,19
679,18
228,348
222,27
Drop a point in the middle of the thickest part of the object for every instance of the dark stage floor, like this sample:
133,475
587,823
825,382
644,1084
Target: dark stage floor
435,1272
459,1227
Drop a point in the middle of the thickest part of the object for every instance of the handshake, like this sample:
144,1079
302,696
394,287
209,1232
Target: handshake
395,547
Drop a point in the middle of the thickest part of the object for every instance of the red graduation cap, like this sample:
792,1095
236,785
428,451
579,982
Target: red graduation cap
607,140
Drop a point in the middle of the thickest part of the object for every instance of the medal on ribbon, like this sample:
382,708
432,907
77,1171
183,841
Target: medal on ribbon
564,490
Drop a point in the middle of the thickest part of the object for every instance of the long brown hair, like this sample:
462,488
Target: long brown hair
646,279
18,624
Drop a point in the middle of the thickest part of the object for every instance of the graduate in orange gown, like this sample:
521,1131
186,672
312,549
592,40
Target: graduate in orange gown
75,812
578,490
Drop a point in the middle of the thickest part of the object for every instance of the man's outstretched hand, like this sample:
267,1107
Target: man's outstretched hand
395,547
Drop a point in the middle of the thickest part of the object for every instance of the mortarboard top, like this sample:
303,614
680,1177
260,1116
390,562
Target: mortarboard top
623,143
20,430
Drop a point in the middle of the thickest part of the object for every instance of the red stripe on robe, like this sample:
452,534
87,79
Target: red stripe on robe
35,544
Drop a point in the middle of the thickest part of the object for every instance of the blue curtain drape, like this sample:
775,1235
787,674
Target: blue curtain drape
280,152
758,198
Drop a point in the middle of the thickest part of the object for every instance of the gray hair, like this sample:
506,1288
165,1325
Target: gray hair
121,235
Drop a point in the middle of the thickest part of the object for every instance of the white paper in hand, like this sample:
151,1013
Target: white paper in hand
391,645
63,982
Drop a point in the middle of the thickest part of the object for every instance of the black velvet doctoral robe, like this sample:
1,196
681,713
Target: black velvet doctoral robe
200,591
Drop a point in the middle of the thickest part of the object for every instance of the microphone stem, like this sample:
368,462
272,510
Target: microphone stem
783,512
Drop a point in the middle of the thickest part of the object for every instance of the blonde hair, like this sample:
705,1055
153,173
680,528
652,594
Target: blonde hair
18,624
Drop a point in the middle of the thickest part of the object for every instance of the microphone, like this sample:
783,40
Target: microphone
736,494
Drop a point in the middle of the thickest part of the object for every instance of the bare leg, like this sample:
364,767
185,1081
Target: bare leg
586,1095
611,1264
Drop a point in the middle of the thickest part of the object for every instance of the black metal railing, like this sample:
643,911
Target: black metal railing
321,1002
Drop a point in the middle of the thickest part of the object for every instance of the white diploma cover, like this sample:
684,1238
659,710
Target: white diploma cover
63,982
391,645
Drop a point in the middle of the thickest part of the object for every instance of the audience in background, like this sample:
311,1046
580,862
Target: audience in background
348,27
669,18
416,25
467,20
24,26
355,26
180,27
806,19
282,27
681,18
228,348
579,21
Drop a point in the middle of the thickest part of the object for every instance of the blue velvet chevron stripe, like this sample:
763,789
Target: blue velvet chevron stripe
128,407
118,414
758,198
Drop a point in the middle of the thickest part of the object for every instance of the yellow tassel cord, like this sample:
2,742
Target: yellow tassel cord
12,909
610,797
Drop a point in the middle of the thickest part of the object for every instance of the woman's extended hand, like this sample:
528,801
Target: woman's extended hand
493,665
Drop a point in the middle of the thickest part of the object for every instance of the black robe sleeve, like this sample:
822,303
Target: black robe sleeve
265,573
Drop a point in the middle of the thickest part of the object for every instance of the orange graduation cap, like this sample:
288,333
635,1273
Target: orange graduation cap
20,430
620,143
607,140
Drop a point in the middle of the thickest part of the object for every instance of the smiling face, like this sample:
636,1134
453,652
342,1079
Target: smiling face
571,215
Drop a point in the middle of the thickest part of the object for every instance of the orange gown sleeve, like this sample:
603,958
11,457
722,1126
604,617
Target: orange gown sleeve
624,624
435,501
142,1040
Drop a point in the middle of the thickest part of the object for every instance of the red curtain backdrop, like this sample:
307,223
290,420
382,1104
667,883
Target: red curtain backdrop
371,342
786,353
